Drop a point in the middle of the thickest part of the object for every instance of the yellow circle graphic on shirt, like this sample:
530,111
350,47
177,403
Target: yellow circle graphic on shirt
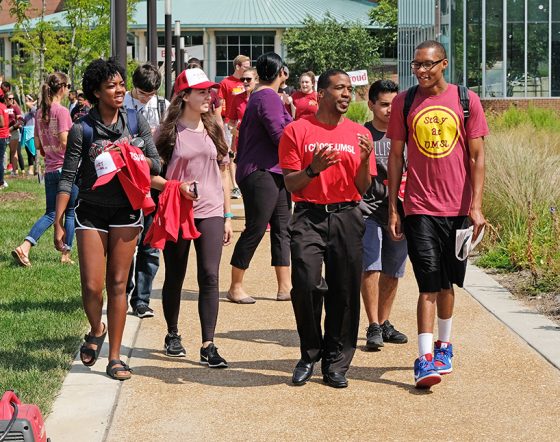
436,131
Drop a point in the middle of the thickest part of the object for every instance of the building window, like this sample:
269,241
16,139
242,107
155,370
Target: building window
229,45
537,46
455,50
555,74
474,45
494,84
191,39
516,48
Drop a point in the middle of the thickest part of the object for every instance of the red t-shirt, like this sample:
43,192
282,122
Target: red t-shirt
335,184
5,130
438,180
238,106
229,87
305,104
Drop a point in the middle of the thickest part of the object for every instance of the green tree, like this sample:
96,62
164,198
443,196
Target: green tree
67,44
385,14
325,44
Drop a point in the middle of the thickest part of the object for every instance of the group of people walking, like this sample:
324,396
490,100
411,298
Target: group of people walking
338,198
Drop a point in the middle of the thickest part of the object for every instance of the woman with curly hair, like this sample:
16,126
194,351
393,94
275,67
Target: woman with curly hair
51,134
107,227
194,151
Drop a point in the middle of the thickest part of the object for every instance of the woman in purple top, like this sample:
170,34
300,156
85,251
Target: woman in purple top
51,133
260,179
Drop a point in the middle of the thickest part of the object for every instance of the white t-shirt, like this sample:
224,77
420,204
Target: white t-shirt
149,110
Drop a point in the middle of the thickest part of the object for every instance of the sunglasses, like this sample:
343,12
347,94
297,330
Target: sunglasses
9,98
246,79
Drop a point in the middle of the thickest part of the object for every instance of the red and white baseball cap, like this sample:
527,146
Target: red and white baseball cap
107,165
194,79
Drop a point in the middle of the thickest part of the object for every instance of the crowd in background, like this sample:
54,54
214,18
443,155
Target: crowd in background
324,187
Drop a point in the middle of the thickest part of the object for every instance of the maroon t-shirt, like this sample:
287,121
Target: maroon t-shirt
438,179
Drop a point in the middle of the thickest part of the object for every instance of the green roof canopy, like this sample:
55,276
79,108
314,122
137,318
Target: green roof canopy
232,14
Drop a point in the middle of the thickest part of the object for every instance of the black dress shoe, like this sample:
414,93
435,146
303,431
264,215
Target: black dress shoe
336,380
302,372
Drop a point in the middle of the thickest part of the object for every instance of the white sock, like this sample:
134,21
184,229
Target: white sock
444,329
425,341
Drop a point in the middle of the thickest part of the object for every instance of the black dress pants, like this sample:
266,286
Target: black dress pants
334,239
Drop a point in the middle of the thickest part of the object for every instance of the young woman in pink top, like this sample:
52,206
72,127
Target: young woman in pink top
51,134
193,150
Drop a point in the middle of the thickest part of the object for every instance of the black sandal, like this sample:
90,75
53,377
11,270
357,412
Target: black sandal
90,352
113,371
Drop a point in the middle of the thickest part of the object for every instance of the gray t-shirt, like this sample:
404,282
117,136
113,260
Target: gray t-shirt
376,198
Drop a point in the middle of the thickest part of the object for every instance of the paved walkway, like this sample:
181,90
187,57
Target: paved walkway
500,389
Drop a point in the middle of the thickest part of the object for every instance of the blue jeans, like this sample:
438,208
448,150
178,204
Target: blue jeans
3,144
144,268
47,220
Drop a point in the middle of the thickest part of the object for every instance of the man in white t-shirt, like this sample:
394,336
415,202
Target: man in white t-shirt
146,80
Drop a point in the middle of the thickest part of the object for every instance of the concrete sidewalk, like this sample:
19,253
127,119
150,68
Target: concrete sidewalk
500,389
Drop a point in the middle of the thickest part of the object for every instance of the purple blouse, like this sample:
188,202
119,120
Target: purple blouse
259,134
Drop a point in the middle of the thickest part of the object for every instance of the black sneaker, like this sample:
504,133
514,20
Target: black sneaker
374,340
143,311
209,356
390,334
173,346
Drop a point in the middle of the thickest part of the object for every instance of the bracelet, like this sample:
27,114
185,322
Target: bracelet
228,215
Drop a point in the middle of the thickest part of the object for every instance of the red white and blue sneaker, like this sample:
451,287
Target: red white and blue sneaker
425,373
443,352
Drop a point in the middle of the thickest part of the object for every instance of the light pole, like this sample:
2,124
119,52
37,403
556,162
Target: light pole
119,31
168,49
177,47
181,54
152,32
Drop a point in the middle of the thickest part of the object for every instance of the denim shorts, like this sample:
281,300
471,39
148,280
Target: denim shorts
94,217
381,253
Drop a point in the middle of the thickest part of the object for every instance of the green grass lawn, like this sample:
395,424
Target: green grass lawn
41,316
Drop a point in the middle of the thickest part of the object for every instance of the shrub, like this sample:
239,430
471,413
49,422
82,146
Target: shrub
538,118
522,184
359,112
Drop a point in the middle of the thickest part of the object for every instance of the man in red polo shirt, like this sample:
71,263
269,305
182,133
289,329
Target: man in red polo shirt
326,164
229,88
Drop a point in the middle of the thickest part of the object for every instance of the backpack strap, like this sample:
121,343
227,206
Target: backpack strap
87,129
465,103
132,122
408,99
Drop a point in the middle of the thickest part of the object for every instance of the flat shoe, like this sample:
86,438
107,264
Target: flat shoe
283,297
247,300
20,257
113,370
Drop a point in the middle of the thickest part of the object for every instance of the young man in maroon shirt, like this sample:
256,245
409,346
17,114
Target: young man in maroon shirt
445,179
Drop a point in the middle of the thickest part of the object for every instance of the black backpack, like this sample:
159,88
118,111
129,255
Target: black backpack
411,93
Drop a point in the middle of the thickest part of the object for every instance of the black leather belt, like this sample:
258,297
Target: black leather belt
328,208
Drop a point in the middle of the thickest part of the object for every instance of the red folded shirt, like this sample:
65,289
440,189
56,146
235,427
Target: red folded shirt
174,212
133,172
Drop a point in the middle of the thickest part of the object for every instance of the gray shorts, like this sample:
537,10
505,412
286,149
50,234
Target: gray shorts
381,253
